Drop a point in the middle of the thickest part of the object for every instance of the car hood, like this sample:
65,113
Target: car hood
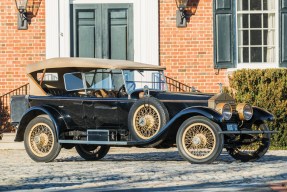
183,96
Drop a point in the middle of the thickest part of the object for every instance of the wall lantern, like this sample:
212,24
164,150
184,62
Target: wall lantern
22,14
186,8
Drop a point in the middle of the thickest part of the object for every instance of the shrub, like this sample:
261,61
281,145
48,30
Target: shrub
5,125
267,89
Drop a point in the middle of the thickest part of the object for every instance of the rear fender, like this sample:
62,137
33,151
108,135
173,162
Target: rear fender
173,125
55,116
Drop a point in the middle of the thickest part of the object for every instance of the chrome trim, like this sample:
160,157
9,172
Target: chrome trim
94,142
184,101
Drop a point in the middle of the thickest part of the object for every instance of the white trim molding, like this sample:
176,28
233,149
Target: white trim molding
146,28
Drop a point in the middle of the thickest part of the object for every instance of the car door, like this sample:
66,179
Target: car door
101,111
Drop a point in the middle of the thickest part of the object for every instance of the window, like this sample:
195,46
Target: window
47,77
250,33
256,31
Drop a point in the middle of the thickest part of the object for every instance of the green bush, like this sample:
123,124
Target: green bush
5,125
267,89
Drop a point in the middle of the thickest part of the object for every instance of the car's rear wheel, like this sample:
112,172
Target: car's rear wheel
146,118
92,152
255,145
40,140
198,140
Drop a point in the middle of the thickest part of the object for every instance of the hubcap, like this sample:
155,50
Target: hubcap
198,140
146,121
41,139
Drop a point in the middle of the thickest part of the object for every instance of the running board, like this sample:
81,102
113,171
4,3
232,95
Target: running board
120,143
247,132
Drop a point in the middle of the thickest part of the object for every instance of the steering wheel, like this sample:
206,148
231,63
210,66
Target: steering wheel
122,91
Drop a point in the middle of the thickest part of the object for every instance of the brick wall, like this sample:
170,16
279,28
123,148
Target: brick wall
19,47
188,52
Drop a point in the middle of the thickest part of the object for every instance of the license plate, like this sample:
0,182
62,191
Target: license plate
232,127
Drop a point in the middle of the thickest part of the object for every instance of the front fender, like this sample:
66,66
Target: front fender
55,116
173,125
260,114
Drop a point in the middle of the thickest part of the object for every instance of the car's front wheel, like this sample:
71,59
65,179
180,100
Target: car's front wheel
198,140
40,140
253,147
92,152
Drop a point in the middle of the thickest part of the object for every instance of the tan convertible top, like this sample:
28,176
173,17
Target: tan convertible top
75,62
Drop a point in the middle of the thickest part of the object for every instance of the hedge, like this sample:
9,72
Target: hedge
265,88
4,120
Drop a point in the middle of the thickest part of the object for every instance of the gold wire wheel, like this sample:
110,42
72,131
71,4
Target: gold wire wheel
146,121
41,139
253,147
198,140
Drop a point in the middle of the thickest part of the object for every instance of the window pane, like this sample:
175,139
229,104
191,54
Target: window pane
255,5
256,54
269,5
269,53
242,5
243,55
73,81
269,37
255,21
243,21
255,37
243,37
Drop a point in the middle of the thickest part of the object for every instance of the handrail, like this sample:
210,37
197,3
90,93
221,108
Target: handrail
176,86
5,99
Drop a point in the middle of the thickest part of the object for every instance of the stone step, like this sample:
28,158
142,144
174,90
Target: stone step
8,143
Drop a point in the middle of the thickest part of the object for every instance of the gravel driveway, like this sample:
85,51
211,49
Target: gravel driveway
127,169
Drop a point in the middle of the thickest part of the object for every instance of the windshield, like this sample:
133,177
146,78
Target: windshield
137,79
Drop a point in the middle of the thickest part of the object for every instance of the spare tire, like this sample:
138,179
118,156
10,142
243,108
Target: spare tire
146,117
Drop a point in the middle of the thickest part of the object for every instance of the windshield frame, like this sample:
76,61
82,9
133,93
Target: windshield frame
160,71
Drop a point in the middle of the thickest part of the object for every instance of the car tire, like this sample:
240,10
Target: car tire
254,151
40,140
92,152
198,140
146,118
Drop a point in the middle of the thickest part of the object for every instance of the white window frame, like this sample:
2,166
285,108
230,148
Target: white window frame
259,65
146,28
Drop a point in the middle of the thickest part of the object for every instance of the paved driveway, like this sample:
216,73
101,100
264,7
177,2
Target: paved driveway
127,169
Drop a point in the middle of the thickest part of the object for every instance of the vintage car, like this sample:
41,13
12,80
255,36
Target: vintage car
93,104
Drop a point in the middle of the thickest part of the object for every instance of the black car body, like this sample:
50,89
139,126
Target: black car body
92,104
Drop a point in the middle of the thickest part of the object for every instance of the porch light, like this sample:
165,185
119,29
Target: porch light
181,13
22,14
186,8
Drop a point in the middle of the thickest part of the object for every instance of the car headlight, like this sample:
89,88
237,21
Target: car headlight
225,110
245,111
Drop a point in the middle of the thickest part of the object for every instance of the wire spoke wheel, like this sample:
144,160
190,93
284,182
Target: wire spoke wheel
253,147
41,139
92,152
199,140
146,121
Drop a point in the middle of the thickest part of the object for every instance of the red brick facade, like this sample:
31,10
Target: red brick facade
20,47
186,52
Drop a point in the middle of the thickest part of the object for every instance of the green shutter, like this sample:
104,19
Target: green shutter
102,31
118,31
283,33
223,34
